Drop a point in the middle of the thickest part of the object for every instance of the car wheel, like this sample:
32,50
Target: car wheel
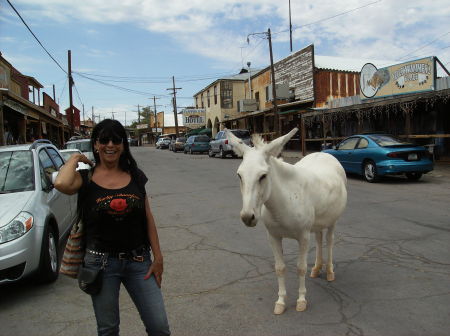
222,153
48,265
413,176
370,171
211,153
174,150
185,151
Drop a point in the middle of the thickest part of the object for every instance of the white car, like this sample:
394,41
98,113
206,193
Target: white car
84,145
67,153
34,217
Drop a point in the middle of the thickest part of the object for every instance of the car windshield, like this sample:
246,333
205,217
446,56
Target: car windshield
84,146
384,140
181,140
202,139
16,171
241,134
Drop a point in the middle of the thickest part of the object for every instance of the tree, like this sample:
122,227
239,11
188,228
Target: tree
144,114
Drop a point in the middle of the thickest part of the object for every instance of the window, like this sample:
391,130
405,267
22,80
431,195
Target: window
201,100
226,95
47,164
348,144
267,93
218,135
215,94
56,158
363,143
196,102
208,99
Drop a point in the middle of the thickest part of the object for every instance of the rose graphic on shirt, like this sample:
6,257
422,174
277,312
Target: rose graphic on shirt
118,204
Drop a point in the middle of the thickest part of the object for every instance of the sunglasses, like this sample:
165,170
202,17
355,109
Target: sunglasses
114,139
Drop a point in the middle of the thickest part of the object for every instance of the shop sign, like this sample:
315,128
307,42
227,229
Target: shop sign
194,118
409,77
16,106
141,126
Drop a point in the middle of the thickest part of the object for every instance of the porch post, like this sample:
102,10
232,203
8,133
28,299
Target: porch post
303,135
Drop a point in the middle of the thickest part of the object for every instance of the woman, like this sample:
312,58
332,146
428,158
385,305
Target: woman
120,229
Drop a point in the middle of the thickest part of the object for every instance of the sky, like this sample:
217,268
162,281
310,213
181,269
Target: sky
125,52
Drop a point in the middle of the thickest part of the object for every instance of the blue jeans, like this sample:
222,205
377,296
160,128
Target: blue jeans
145,294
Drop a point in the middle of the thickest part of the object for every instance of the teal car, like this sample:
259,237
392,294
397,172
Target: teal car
197,144
374,155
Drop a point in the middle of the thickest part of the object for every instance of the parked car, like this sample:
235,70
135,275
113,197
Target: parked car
133,142
67,153
197,144
84,145
374,155
34,217
178,144
162,143
219,145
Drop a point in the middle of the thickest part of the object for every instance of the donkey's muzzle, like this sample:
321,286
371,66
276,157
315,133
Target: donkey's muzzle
248,218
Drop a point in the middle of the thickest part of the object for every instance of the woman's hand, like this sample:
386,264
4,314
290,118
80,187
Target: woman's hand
81,158
157,269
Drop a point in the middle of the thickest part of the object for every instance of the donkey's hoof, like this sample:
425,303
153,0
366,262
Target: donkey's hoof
315,272
330,276
301,305
279,308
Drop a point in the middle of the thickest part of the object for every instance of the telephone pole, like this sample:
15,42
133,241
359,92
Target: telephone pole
276,117
71,124
290,25
174,92
155,123
93,121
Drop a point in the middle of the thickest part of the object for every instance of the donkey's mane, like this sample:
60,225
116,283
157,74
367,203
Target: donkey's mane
257,140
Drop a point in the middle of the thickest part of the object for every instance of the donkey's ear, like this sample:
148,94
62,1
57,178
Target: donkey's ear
276,146
239,147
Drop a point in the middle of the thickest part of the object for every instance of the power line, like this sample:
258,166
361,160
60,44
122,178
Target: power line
29,29
78,94
328,18
425,45
120,87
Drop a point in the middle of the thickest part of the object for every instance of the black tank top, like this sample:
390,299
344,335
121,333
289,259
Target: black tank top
115,219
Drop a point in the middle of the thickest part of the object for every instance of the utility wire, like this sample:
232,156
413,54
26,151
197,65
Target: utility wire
122,88
78,94
54,60
328,18
425,45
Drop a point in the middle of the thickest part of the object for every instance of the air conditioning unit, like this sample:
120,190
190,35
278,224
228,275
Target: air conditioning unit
247,105
282,91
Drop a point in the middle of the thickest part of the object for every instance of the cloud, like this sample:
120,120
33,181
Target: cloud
217,29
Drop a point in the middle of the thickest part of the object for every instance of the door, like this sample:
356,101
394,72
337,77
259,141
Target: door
344,153
61,205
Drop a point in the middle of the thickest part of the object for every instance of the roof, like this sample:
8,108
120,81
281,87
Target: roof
238,77
347,64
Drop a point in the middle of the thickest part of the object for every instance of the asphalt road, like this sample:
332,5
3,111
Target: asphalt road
392,263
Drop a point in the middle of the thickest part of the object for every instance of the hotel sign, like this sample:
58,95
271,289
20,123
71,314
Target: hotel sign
194,118
409,77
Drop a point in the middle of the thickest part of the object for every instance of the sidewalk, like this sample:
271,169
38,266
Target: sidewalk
441,168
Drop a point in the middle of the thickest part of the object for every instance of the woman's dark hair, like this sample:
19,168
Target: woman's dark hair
107,128
113,128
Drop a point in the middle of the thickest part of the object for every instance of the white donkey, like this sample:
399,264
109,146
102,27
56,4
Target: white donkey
291,201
